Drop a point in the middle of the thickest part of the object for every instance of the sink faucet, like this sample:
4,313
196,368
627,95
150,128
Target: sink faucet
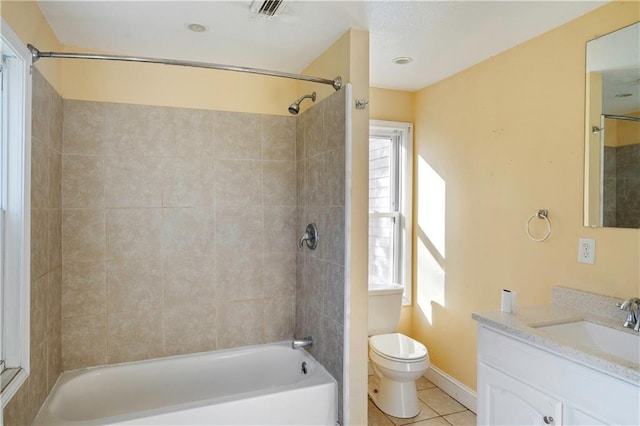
301,343
631,305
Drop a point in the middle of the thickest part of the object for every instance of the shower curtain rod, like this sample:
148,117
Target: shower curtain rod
336,83
622,117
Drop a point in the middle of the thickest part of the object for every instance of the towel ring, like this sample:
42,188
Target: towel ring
542,214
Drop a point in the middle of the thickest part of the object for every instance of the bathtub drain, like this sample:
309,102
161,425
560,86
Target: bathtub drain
304,367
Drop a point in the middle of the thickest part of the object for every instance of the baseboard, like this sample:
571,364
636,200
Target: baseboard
452,387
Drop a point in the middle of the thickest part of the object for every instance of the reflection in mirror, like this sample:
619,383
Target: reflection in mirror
612,134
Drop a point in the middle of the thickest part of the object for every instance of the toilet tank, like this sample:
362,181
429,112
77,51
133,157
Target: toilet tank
385,303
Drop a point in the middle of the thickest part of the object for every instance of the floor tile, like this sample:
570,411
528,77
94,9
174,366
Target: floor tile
424,383
442,403
465,418
436,421
425,413
377,417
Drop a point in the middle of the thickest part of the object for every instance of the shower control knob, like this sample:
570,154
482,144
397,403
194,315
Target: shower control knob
548,420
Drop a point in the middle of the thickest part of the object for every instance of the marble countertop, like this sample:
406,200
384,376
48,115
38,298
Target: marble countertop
521,325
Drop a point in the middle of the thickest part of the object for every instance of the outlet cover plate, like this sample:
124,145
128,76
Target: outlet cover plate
587,250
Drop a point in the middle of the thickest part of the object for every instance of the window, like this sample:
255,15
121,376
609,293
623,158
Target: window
15,152
390,196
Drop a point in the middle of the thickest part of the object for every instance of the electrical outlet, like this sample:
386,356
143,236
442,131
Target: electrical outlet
586,250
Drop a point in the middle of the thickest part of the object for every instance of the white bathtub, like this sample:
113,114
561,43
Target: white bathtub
257,385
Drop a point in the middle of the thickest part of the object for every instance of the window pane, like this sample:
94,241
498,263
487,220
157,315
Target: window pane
381,249
380,189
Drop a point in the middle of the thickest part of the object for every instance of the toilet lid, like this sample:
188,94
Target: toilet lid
397,346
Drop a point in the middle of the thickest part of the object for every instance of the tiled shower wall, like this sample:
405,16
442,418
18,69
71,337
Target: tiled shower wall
46,259
178,230
320,150
621,186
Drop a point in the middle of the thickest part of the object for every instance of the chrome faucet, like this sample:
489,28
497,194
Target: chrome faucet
631,305
301,343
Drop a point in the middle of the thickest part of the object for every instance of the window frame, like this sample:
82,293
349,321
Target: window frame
15,291
403,185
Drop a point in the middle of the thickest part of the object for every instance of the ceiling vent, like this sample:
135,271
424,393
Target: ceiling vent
267,9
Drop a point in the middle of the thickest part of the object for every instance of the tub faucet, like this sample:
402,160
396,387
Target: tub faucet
631,305
301,343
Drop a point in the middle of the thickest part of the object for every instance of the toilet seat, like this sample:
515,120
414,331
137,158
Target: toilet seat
398,347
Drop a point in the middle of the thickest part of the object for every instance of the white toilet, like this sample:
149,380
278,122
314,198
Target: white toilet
397,360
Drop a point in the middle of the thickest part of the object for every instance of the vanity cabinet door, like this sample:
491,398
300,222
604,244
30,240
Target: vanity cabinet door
576,417
503,400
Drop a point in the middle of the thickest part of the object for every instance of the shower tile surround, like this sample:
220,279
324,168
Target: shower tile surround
178,231
320,153
46,250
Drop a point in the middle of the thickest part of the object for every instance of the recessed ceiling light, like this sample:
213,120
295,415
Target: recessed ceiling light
197,28
623,95
402,60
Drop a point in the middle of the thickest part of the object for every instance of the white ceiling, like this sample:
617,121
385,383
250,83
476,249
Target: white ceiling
442,37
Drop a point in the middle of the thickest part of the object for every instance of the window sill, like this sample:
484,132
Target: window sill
11,379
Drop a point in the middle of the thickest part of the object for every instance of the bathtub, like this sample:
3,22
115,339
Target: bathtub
254,385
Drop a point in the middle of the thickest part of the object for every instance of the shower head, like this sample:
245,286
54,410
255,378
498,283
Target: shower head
294,108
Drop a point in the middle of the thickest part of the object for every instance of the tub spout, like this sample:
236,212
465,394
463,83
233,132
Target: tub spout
301,343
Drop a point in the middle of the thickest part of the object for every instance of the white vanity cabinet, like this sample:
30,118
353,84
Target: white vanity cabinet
522,384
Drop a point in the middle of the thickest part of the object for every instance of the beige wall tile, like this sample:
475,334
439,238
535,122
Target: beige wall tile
189,279
54,358
237,136
135,335
240,324
84,341
37,377
279,183
55,179
56,122
38,311
278,138
315,180
238,275
54,238
188,232
279,274
189,329
127,130
334,121
314,140
134,285
39,175
83,128
334,292
54,300
84,289
238,183
133,181
188,182
133,233
335,177
332,340
179,132
314,283
335,235
239,229
280,229
39,244
300,125
279,317
40,114
83,181
83,235
301,186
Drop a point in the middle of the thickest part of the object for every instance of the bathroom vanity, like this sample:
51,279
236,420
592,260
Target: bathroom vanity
559,365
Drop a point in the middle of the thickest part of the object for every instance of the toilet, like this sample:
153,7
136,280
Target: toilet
397,360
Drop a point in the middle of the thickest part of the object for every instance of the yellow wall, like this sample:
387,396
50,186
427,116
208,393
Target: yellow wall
627,132
506,137
28,22
349,57
146,84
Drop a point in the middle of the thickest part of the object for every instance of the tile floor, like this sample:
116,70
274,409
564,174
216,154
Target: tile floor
436,408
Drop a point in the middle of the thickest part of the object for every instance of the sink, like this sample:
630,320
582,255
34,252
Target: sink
595,337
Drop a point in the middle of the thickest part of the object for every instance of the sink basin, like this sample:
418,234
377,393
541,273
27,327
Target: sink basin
595,337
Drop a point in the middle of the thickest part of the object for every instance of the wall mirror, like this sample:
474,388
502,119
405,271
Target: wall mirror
612,133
